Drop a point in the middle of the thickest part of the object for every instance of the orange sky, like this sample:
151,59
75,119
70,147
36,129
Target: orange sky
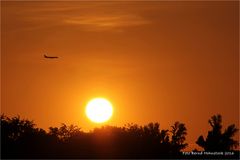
155,61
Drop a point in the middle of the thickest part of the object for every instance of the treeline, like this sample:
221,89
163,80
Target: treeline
21,138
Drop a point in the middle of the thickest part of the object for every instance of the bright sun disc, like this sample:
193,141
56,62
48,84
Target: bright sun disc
99,110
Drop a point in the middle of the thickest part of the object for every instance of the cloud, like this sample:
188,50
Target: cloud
105,22
86,16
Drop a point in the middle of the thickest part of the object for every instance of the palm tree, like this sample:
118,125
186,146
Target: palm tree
216,140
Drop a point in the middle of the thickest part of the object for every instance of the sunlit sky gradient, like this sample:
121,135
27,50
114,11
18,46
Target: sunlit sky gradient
155,61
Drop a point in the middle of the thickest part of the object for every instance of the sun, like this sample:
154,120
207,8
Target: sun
99,110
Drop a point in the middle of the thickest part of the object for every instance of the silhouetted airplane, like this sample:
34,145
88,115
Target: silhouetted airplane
49,56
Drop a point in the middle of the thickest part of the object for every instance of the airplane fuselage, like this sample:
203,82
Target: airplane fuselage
49,56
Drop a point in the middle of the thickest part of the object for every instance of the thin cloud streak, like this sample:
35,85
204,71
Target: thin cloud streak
88,17
104,22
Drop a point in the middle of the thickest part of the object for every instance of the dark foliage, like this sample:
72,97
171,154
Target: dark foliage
22,139
216,140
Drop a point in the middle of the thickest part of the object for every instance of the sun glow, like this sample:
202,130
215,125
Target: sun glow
99,110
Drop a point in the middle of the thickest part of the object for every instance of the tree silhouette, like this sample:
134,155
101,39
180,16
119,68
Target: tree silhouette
20,138
179,132
216,140
64,132
16,128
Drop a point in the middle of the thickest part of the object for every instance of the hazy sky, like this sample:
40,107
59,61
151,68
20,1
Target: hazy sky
155,61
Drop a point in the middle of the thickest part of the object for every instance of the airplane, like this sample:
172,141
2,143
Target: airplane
49,56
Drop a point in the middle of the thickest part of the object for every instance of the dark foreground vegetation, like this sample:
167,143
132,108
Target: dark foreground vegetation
21,139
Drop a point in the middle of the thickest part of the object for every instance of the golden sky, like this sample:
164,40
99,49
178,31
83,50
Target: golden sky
155,61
